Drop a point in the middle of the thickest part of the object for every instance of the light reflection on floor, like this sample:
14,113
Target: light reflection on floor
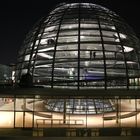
7,117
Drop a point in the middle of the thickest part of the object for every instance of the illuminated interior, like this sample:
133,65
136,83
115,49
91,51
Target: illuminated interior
30,111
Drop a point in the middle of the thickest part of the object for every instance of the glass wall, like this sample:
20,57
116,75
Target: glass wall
76,112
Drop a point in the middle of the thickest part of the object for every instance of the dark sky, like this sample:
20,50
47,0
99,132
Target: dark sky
18,16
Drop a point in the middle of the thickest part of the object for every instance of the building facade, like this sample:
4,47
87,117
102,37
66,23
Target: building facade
78,73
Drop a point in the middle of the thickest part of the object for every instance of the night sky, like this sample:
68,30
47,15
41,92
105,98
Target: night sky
18,16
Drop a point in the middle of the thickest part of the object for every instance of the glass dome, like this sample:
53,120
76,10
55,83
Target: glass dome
81,46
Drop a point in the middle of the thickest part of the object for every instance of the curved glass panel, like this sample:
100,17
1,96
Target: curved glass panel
81,46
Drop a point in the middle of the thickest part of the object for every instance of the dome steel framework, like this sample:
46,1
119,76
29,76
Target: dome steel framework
81,46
